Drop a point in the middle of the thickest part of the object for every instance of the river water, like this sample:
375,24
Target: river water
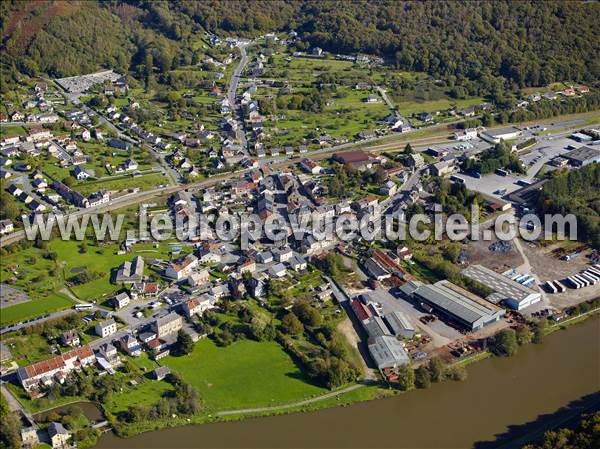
503,400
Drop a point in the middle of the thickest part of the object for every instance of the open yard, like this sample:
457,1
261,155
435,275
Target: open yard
245,374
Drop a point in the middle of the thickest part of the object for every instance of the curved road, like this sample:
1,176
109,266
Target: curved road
293,404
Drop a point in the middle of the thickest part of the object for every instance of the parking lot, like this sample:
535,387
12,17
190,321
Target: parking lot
440,333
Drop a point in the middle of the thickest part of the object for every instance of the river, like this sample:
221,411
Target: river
503,399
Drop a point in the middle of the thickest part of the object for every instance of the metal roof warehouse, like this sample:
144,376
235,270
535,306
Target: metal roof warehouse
459,305
515,295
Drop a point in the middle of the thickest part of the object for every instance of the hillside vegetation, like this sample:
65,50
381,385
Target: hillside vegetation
474,46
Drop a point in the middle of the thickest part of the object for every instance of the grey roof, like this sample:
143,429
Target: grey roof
106,323
583,154
375,327
398,321
502,285
167,319
444,295
387,352
57,428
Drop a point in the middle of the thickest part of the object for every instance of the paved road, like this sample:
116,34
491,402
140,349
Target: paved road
38,320
231,96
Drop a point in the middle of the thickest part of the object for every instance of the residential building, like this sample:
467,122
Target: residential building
106,328
121,300
59,436
55,368
70,338
167,324
161,372
6,226
130,345
182,268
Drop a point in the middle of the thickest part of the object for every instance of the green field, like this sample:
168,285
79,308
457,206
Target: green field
245,374
407,108
144,394
33,308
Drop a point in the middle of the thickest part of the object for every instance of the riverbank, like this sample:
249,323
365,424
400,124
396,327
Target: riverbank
501,394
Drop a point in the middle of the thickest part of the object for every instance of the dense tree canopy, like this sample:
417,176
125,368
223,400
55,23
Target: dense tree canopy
476,47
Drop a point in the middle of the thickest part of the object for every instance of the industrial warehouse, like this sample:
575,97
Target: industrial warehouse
457,304
509,292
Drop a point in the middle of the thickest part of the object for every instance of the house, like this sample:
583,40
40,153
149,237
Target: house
425,117
182,268
443,168
468,112
81,174
167,324
415,160
161,372
197,278
465,134
265,257
310,166
29,437
70,338
389,188
59,436
129,165
46,371
119,144
191,307
249,266
283,255
372,99
108,352
130,345
106,328
6,226
297,263
121,300
278,270
404,253
317,51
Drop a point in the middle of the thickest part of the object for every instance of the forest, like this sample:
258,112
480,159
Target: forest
575,192
475,47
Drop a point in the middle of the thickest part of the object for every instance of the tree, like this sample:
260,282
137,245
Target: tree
524,335
307,313
408,149
290,324
185,344
541,329
422,377
436,369
406,378
504,343
456,372
10,425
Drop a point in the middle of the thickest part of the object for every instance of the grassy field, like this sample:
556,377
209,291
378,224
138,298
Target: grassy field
34,308
407,108
245,374
145,394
